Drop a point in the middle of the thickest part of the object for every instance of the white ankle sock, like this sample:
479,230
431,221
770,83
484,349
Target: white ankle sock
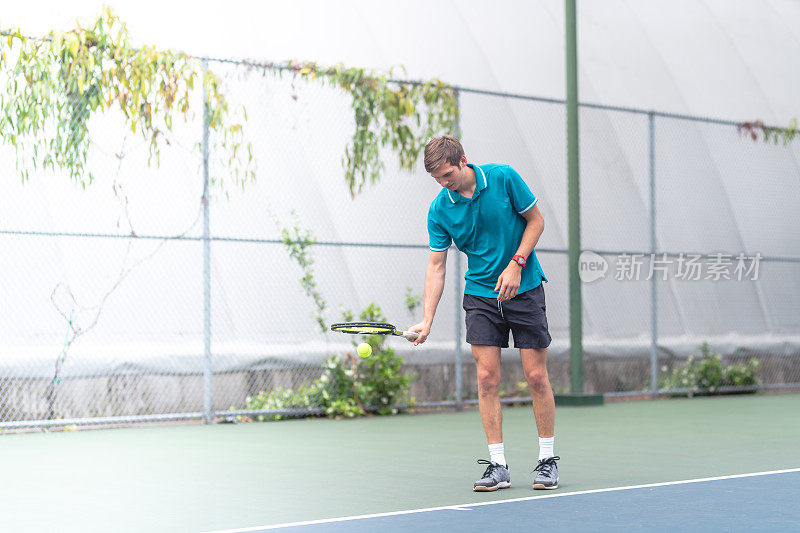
546,447
497,453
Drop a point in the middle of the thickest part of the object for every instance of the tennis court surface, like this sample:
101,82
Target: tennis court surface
722,503
704,464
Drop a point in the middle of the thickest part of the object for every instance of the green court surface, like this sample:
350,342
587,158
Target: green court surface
204,478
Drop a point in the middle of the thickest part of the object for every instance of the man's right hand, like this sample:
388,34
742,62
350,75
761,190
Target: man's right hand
423,330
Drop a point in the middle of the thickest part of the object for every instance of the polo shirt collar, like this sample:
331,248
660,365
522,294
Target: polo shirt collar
480,184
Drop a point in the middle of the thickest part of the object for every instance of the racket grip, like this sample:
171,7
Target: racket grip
410,335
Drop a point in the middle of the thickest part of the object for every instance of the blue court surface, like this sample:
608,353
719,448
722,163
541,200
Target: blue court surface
763,501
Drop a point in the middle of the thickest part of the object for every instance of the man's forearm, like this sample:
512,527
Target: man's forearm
530,237
434,286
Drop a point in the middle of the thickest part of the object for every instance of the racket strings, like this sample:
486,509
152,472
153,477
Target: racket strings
364,328
376,331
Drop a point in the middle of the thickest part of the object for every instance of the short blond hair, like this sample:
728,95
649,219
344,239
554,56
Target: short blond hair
441,150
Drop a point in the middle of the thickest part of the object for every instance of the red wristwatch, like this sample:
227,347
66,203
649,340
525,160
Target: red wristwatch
519,260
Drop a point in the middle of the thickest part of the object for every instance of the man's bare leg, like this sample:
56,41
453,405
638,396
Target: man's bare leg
534,363
487,361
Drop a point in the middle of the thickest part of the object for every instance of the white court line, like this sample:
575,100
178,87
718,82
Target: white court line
467,506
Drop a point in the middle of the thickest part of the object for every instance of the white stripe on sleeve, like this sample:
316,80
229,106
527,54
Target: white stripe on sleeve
527,208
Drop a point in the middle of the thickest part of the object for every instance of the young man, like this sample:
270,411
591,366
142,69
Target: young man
492,216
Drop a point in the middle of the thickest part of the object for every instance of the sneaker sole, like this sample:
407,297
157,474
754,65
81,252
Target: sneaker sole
501,485
539,486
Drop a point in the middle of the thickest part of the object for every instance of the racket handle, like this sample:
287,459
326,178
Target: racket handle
410,335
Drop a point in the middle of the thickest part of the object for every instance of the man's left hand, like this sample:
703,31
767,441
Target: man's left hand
508,282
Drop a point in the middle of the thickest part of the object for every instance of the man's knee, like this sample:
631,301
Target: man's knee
488,381
538,379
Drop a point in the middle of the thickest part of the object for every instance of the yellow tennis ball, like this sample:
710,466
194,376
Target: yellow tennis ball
364,349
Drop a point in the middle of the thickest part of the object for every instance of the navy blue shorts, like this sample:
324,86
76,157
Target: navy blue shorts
489,320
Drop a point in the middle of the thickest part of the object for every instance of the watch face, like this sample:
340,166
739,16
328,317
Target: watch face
520,261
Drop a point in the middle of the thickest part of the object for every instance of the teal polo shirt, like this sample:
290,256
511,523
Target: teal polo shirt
487,227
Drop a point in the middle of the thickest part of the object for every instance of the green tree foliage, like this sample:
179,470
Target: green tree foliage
53,86
387,114
758,130
297,241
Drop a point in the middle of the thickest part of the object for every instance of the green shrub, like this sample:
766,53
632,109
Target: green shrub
333,391
707,373
349,386
302,398
381,380
743,375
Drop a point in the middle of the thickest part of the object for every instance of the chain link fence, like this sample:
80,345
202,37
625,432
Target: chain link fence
134,301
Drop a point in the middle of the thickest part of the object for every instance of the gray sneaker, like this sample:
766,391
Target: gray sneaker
547,478
495,477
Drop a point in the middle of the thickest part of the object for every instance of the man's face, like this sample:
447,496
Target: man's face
449,176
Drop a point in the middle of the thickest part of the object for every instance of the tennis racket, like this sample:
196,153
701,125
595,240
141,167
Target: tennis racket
372,328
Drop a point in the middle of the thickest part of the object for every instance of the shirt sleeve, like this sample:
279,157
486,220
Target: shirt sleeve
438,237
522,199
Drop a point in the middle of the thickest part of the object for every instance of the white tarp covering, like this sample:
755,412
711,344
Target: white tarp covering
716,192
